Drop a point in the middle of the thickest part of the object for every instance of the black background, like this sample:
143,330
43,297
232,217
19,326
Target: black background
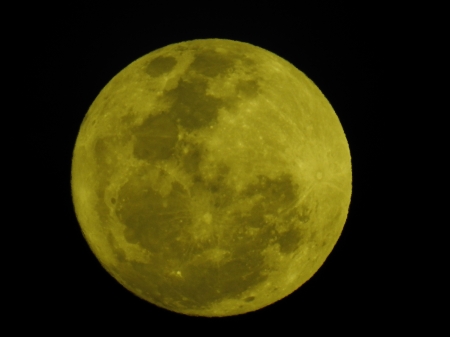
70,55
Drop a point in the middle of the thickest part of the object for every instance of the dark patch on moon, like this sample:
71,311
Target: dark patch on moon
254,218
207,282
221,172
247,88
147,278
128,119
152,221
241,273
277,194
212,63
201,282
160,65
190,156
289,241
101,152
156,138
222,195
250,299
191,160
191,106
276,198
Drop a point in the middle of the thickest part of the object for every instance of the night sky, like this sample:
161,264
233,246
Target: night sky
73,55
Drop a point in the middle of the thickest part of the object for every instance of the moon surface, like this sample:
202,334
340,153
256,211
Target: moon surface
211,177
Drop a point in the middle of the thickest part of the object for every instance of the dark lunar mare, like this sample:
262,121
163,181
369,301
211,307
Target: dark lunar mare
160,65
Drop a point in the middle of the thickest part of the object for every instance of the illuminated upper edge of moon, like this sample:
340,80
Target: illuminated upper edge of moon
263,128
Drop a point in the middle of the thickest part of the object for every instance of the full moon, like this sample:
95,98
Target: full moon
211,177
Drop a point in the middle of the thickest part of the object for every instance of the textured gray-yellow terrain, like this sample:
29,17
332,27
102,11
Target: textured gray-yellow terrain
211,177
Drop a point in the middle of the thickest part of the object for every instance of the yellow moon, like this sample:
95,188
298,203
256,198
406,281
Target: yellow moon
211,177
